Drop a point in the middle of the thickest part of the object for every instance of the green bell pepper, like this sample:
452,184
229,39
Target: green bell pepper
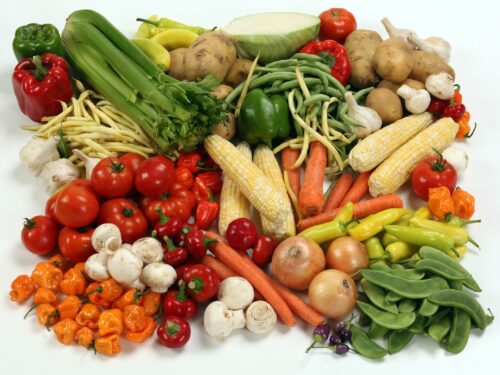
34,39
263,118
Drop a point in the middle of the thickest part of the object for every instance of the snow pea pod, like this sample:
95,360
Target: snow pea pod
387,319
410,274
421,237
393,297
440,314
427,308
363,345
471,284
440,269
407,305
377,296
419,324
456,284
459,331
404,287
461,300
438,330
379,266
376,331
398,340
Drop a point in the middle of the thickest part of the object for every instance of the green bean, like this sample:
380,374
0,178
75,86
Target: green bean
315,99
279,63
459,331
363,345
471,284
440,269
321,66
456,284
387,319
398,340
321,74
393,297
404,287
419,324
376,331
306,57
269,78
358,95
377,296
338,125
410,274
438,330
461,300
427,308
407,305
291,84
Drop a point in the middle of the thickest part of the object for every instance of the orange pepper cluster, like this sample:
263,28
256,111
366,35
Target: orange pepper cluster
442,203
95,315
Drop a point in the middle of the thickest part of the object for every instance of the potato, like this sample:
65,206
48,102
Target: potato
395,86
222,91
212,53
227,128
393,60
176,69
238,72
426,63
361,46
386,103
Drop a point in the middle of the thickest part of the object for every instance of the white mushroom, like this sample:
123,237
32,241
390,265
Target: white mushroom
158,276
261,317
56,173
148,249
416,101
106,236
89,162
457,158
219,321
137,284
440,85
367,118
124,266
235,292
38,152
96,266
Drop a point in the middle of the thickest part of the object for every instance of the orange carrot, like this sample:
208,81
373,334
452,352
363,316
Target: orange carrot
339,191
358,189
311,198
288,157
294,302
233,260
220,268
361,210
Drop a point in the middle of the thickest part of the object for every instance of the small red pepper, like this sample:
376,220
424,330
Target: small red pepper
202,282
191,160
181,270
172,254
181,237
334,55
207,212
196,244
210,180
263,250
174,332
436,106
177,303
167,226
40,84
455,111
184,176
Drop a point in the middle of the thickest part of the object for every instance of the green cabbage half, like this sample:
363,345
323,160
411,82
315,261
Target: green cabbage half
275,35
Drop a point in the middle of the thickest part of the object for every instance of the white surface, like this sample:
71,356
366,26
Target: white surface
472,30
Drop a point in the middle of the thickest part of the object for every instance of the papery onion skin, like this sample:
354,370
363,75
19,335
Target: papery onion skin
347,255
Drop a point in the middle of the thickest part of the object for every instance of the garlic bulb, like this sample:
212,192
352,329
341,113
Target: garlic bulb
457,158
38,152
433,44
440,85
368,119
397,33
57,173
89,162
416,101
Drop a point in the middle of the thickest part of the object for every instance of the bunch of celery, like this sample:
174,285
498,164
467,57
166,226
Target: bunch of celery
176,115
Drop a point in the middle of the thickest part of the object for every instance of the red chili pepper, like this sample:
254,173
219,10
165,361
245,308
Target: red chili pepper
334,55
202,282
196,244
173,255
211,180
174,332
167,226
436,106
40,84
455,111
206,212
177,303
263,250
184,176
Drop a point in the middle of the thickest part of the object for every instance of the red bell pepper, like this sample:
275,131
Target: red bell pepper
196,244
40,84
167,226
174,332
177,303
334,55
206,212
210,180
173,255
202,282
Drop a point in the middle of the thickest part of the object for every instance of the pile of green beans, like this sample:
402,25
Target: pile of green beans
428,298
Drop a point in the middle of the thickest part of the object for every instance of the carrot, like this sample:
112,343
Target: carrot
288,157
295,303
358,189
339,191
311,198
361,210
233,260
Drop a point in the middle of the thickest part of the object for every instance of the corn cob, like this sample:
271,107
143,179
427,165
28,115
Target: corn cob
233,204
264,159
375,148
249,179
396,169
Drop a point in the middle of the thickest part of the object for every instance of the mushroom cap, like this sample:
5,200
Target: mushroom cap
124,266
235,292
158,276
219,321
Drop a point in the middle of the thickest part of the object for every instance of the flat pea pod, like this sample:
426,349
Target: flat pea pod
471,284
398,340
364,320
456,284
376,331
427,308
397,267
419,324
410,274
440,269
404,287
440,314
380,266
438,330
363,345
407,305
377,296
387,319
393,297
462,300
427,252
459,331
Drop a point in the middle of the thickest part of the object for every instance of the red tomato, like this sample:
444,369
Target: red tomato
50,205
112,178
126,216
76,244
132,161
336,24
431,173
39,234
179,202
76,207
184,176
155,176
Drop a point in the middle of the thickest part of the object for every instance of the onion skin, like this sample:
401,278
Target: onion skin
333,293
347,255
296,261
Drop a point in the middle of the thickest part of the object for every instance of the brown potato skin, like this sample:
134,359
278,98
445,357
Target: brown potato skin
385,84
227,128
221,91
386,103
176,69
426,63
238,72
393,60
360,46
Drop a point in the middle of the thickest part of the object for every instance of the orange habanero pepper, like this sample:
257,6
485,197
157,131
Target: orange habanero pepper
151,302
110,322
73,282
130,297
111,290
92,293
65,331
59,262
134,317
141,336
88,316
68,307
464,204
464,127
46,275
440,202
44,295
22,287
108,345
46,314
84,337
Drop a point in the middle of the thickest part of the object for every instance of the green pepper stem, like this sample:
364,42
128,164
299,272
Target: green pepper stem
30,310
39,71
474,242
181,294
154,23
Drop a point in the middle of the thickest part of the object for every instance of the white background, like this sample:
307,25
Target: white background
472,30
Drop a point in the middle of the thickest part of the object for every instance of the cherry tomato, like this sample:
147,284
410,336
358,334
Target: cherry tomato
39,234
336,24
431,173
174,332
76,207
155,176
241,234
184,176
111,178
263,250
126,216
76,244
177,202
132,161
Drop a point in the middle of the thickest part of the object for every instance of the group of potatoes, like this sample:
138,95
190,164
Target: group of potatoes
389,64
